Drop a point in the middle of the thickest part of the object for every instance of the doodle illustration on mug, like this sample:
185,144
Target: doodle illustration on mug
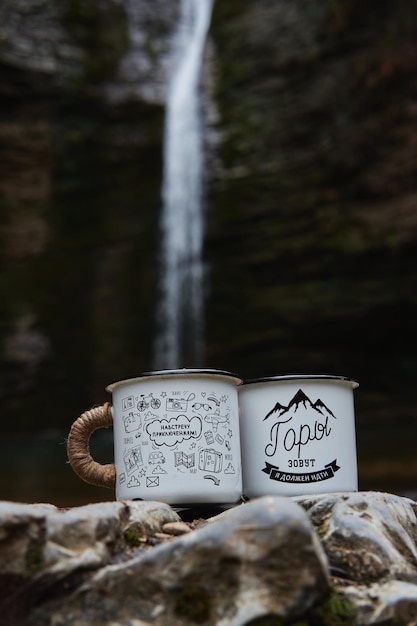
128,403
299,433
132,422
145,401
230,469
177,431
132,459
133,482
179,404
188,460
156,457
210,460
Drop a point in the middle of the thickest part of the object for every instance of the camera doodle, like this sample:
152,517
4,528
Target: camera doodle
179,404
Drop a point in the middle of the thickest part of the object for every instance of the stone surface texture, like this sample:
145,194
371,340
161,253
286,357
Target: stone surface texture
331,559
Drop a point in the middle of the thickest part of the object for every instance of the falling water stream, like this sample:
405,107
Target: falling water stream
180,308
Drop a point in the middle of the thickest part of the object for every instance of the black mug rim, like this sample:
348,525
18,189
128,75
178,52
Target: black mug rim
289,377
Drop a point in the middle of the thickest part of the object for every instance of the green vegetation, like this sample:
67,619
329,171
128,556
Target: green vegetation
335,610
193,604
133,539
34,560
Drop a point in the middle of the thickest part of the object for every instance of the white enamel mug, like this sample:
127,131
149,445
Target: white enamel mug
176,438
298,435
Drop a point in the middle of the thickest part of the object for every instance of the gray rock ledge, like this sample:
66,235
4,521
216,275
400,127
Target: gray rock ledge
331,559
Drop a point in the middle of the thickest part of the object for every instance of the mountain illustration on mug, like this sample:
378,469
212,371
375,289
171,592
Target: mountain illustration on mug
293,438
300,398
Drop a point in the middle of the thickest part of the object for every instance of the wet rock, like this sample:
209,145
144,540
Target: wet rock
22,536
258,559
42,538
393,602
176,528
33,38
149,517
347,558
367,537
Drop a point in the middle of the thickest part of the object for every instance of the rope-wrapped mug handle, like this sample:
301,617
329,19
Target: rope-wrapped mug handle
78,447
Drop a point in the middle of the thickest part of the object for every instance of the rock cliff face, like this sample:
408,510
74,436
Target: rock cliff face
345,559
311,192
80,129
312,223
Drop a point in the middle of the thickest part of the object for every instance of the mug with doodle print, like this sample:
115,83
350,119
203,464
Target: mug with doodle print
298,435
176,438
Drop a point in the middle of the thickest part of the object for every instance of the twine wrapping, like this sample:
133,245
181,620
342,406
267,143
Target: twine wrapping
78,447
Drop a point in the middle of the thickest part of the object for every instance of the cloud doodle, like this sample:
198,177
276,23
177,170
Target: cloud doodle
171,432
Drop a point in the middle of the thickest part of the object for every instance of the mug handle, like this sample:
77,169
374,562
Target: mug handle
78,447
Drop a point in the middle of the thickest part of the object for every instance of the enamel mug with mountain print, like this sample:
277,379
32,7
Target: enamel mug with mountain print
298,435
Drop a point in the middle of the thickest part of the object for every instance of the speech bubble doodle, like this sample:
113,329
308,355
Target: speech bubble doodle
176,430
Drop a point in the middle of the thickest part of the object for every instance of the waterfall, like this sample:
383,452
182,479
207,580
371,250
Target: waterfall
180,308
